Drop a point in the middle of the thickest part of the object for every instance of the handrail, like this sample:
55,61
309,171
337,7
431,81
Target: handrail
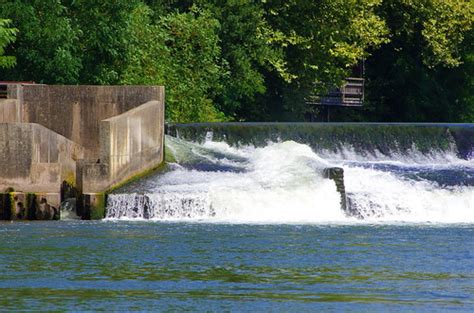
4,86
351,93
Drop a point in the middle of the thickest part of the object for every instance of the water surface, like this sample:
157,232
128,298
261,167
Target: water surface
122,265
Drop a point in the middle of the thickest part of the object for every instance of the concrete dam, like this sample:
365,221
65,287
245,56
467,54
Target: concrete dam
307,173
73,144
92,152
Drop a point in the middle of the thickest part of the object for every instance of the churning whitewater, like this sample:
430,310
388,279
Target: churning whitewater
283,182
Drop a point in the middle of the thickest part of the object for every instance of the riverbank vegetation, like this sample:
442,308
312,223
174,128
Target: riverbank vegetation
241,60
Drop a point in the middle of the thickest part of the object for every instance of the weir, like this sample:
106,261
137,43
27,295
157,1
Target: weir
307,173
258,172
363,138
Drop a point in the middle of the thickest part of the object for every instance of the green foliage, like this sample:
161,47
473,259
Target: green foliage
104,40
180,51
445,23
249,45
322,41
425,72
252,60
148,55
340,33
7,36
46,45
194,78
465,109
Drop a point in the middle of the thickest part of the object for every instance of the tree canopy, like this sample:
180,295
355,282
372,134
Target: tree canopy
252,60
7,36
425,72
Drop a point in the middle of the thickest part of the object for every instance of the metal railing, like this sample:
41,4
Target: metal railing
3,91
4,87
351,93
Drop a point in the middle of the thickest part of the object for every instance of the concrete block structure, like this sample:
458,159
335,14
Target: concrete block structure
88,138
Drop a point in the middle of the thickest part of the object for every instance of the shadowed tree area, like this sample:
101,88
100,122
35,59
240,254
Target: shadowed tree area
252,60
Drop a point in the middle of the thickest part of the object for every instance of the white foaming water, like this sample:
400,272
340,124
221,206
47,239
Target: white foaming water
347,153
283,183
382,196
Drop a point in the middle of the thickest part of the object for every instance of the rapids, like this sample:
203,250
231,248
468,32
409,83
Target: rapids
282,182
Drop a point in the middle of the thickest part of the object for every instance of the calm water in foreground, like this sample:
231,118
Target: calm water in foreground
217,267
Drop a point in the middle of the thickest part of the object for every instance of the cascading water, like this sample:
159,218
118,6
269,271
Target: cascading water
282,182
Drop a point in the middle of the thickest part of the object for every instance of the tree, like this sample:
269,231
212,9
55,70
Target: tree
180,51
248,50
425,71
244,39
7,36
253,60
46,46
322,41
103,38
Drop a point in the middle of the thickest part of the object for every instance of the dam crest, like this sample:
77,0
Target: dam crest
258,173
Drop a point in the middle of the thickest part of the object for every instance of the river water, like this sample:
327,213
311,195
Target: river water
258,228
140,265
283,182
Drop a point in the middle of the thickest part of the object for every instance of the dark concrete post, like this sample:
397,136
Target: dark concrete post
92,206
5,206
337,175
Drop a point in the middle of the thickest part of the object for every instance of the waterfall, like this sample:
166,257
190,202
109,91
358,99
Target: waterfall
416,177
365,139
159,206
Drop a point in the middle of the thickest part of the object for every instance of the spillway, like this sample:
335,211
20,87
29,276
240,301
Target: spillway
274,173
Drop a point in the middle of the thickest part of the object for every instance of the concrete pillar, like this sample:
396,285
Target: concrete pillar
19,206
29,206
5,206
337,175
47,206
92,206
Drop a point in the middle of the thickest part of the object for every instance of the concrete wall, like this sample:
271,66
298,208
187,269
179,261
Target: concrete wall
36,159
130,144
76,111
92,137
9,111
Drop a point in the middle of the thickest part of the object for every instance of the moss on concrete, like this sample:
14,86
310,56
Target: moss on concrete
91,206
169,156
70,178
19,201
26,206
135,177
97,206
13,214
30,206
